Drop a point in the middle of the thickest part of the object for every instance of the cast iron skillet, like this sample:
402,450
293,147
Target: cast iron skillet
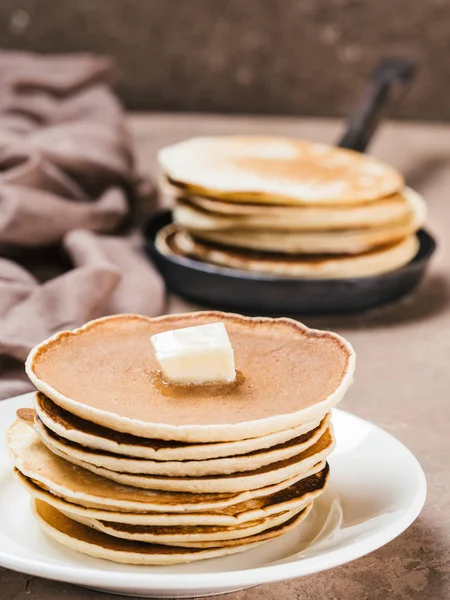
257,293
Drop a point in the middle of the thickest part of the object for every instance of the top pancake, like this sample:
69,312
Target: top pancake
277,170
106,372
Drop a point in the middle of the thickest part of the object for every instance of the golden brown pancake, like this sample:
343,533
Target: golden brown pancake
218,484
344,241
172,241
276,170
294,497
200,213
86,540
101,384
72,428
333,243
183,535
84,488
181,468
106,372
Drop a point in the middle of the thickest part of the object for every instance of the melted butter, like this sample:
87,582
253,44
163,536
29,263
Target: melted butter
175,390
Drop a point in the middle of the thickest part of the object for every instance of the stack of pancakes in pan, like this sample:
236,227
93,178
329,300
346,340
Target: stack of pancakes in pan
122,466
287,207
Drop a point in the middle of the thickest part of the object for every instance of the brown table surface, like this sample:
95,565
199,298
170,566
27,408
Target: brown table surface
402,376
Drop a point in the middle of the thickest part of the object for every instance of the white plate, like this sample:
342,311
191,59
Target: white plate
380,486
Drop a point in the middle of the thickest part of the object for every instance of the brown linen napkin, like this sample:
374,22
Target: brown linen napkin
66,174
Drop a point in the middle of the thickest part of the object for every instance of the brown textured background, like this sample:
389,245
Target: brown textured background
307,57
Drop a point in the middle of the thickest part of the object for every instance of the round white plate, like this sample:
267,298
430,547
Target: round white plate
376,491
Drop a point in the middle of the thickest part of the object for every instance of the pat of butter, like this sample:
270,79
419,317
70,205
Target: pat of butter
200,354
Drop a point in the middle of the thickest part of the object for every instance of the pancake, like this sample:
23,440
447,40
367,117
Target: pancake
294,498
197,213
217,484
106,372
196,468
86,540
83,488
171,241
80,431
348,241
276,170
174,535
264,536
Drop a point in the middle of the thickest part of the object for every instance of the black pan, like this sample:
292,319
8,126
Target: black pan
257,293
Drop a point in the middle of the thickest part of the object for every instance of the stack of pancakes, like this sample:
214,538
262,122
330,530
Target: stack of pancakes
287,207
122,466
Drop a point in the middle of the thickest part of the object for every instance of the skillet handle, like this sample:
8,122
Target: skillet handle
389,81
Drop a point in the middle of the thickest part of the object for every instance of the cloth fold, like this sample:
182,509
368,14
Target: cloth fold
67,174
